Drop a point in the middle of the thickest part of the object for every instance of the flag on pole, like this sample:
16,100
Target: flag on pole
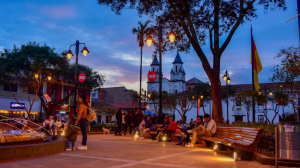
256,64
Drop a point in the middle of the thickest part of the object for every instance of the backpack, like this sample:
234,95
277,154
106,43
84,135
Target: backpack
91,115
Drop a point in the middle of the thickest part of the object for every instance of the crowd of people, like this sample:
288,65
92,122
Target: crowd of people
141,123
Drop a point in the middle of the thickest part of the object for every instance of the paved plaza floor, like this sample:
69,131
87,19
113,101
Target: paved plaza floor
108,151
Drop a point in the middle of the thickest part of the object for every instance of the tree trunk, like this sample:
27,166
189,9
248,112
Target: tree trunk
217,114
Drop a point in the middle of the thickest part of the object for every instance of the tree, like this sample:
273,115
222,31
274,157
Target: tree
22,64
288,70
203,89
277,99
246,100
181,102
193,21
141,33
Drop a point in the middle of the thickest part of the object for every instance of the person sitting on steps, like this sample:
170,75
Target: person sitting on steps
209,129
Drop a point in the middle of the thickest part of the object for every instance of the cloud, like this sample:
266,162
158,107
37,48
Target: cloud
59,11
76,29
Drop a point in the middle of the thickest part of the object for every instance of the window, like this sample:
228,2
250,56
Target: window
53,95
94,94
99,118
176,91
176,68
31,90
261,119
153,69
7,86
108,119
66,92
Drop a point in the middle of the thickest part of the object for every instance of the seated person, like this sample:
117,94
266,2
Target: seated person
163,129
48,124
209,129
187,137
148,125
56,125
136,130
171,128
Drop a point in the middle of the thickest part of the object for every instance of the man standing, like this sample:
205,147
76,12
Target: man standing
209,129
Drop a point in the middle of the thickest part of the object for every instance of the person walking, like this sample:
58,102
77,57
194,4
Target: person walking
128,121
119,122
81,119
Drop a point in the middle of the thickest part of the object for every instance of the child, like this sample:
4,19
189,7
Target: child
71,135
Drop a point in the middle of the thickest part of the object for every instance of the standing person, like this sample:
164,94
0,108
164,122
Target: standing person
209,129
119,122
153,119
140,116
128,121
81,119
71,135
135,121
123,121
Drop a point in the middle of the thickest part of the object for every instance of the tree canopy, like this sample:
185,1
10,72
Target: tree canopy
194,21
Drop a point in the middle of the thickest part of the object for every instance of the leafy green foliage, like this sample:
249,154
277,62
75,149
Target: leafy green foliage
141,32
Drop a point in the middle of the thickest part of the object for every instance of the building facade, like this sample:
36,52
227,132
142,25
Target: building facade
175,84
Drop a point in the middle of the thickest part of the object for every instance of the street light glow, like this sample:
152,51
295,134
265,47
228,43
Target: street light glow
149,95
201,96
225,77
149,41
172,37
85,51
69,54
49,78
228,79
36,76
270,93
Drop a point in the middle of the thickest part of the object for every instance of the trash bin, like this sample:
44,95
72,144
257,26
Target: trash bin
289,138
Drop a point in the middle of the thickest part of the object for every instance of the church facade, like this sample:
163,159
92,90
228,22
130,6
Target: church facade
175,84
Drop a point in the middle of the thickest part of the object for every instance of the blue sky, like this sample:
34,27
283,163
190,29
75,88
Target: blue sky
114,50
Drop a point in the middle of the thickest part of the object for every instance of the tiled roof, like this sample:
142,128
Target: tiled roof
178,59
193,81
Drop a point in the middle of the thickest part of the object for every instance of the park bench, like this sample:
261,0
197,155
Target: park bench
242,141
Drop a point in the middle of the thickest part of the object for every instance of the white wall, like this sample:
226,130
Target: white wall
208,108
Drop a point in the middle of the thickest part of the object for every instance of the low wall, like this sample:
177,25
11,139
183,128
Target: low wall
24,151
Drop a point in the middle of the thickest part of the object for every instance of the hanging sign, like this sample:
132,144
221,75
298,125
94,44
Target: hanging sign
48,99
152,76
82,77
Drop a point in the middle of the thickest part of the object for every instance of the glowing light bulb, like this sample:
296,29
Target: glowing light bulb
164,138
172,37
215,147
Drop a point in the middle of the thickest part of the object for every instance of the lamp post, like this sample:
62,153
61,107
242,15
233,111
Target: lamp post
84,51
149,41
282,105
227,80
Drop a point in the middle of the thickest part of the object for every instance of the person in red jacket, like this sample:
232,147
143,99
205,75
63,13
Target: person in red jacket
171,128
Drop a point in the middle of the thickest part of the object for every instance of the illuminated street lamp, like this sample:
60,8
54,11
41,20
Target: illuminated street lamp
36,76
227,80
149,41
84,51
270,93
49,78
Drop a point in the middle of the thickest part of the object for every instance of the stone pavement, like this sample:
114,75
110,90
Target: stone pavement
108,151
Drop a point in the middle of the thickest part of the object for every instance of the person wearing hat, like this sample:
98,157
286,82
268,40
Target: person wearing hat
81,119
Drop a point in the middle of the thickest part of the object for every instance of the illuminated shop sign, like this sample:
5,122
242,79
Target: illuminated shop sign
15,105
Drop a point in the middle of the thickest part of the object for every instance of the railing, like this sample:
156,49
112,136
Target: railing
266,145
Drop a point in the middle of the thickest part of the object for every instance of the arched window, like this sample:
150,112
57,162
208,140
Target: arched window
153,68
176,91
176,68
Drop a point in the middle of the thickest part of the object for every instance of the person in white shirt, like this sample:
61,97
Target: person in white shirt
209,129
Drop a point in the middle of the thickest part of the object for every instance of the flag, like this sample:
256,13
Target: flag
256,65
